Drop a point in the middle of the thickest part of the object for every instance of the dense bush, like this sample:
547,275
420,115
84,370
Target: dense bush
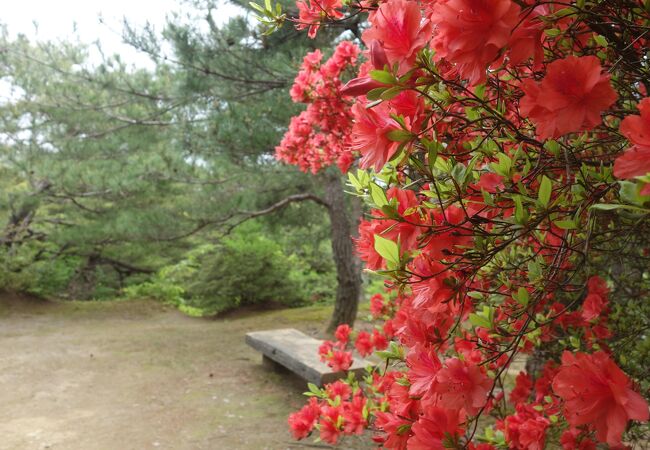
205,282
18,272
263,275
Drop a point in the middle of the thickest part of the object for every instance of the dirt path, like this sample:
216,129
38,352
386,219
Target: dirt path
137,376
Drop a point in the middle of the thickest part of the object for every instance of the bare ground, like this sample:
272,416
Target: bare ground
137,375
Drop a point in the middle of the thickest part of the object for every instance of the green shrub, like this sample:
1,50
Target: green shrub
19,272
169,285
245,270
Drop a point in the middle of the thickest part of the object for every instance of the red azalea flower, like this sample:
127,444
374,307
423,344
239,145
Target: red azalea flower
570,98
342,333
377,308
532,433
363,343
365,243
526,39
401,402
407,231
302,422
635,161
379,341
598,393
462,385
423,365
340,360
389,329
573,439
596,285
313,12
324,350
398,26
338,389
593,307
433,428
526,429
364,83
471,33
370,135
523,388
491,182
396,428
354,422
330,424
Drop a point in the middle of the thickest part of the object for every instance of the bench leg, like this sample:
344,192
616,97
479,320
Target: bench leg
269,363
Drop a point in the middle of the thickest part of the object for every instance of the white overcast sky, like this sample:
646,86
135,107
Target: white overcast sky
65,19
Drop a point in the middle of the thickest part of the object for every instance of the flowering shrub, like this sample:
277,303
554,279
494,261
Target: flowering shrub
320,135
504,149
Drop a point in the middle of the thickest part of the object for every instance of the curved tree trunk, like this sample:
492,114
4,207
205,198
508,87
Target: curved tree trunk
343,225
348,266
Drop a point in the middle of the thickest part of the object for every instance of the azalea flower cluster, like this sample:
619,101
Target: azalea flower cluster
336,409
313,12
496,141
320,135
335,354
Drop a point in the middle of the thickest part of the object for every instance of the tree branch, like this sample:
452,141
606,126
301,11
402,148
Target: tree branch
247,215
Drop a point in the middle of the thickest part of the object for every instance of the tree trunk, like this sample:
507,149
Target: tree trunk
348,274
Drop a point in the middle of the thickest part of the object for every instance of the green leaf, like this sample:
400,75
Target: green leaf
545,189
479,321
553,147
534,271
395,351
606,206
521,215
313,390
378,195
479,91
391,93
354,182
522,296
382,76
387,249
433,147
390,211
612,207
565,224
487,198
257,7
569,11
399,136
384,354
601,40
458,173
375,94
503,166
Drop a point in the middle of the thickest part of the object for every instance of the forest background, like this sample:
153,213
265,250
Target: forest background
121,181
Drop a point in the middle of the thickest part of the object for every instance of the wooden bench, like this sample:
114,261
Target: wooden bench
298,352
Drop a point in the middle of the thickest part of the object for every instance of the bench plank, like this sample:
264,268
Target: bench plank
298,352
